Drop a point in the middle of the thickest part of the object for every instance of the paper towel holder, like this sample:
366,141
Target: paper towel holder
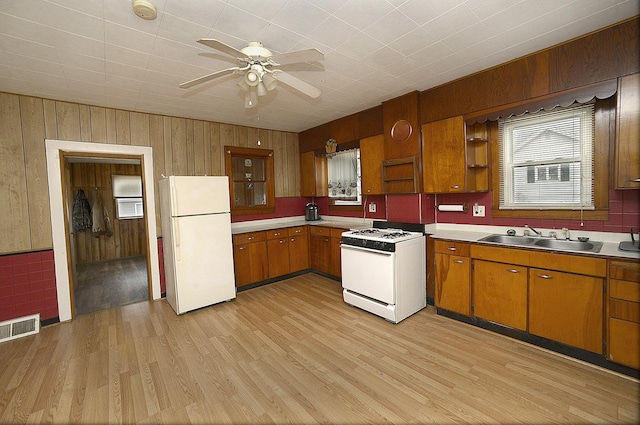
454,207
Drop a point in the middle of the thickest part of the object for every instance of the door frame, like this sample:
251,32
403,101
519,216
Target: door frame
55,151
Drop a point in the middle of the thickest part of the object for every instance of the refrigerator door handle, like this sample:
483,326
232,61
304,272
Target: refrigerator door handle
176,234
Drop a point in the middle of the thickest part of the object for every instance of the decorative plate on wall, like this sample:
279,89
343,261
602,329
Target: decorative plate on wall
401,131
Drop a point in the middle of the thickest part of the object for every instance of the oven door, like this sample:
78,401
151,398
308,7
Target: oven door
369,272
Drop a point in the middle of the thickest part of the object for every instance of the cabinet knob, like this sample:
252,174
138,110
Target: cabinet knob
282,240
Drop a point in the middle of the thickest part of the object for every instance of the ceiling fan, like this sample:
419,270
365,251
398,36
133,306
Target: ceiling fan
260,69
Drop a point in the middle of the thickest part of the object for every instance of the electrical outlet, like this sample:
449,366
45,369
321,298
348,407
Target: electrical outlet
478,210
372,207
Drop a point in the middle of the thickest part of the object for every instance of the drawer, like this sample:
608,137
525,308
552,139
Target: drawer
337,233
319,230
624,270
277,233
243,238
624,343
624,310
448,247
296,231
624,290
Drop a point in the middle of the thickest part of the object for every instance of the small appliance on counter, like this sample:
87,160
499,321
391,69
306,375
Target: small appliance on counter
311,212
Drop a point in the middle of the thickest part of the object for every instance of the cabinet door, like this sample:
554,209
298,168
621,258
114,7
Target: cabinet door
278,253
371,157
628,133
320,253
453,289
566,307
313,175
250,262
298,253
624,342
500,293
444,161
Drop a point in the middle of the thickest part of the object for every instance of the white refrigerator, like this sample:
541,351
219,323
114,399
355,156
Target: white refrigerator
196,240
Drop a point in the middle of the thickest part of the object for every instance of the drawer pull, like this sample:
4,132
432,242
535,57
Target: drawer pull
455,186
513,270
458,261
544,276
250,238
634,180
242,248
451,248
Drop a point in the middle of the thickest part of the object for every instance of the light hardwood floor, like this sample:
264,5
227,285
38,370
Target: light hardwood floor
293,352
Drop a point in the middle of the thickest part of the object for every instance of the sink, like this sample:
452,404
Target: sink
568,245
508,240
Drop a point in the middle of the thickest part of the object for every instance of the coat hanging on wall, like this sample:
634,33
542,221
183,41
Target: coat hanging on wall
81,212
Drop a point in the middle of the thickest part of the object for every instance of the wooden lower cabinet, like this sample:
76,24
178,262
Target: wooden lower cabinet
453,269
298,249
500,293
278,253
567,307
320,249
623,318
335,268
250,258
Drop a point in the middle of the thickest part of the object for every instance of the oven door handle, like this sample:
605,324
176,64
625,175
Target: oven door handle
359,248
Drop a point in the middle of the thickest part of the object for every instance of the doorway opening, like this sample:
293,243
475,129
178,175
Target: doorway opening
106,232
58,173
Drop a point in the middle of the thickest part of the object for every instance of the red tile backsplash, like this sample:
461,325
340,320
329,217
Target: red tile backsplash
28,285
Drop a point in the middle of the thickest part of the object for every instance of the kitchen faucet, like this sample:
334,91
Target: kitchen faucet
533,230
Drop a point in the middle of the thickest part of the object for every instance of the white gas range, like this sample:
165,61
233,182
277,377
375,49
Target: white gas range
384,269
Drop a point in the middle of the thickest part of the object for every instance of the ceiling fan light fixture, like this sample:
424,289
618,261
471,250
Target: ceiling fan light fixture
270,82
243,85
252,78
251,99
261,89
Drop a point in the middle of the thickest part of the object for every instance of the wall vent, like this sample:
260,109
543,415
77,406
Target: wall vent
17,328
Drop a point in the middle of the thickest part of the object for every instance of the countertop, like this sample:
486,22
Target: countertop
278,223
473,233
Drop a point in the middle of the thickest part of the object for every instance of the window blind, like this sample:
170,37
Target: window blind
546,159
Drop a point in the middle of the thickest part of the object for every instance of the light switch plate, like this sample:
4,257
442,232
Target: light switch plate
372,207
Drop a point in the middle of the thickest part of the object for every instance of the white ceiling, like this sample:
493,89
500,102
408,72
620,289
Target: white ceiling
99,52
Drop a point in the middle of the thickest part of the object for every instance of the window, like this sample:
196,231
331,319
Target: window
251,185
546,159
127,192
344,182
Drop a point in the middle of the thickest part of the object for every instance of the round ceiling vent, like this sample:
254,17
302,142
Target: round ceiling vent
145,10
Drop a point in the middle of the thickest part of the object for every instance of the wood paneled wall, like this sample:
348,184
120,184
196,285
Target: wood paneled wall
180,146
129,236
600,56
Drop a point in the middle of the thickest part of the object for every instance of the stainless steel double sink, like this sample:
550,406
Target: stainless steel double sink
542,242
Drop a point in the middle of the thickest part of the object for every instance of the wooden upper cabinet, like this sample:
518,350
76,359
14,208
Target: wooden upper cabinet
371,157
627,159
402,126
313,175
443,156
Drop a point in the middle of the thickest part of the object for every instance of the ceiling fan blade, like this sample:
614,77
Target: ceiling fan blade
225,48
308,55
208,77
296,83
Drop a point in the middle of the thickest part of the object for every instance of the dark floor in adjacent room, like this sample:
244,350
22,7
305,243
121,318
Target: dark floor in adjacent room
105,284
